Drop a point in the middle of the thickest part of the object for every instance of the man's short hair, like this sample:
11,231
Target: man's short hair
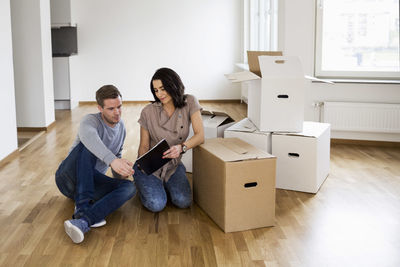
107,92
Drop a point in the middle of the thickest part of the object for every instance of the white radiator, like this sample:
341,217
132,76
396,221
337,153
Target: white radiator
362,117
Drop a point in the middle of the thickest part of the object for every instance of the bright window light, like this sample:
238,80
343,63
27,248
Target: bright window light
358,38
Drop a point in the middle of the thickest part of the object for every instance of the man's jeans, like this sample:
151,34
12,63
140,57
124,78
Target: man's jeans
95,194
152,190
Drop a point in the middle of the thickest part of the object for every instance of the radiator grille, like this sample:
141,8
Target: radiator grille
362,117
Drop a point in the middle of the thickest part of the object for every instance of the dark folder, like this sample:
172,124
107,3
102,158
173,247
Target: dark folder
152,160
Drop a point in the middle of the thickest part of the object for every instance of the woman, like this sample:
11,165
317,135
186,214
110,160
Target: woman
169,117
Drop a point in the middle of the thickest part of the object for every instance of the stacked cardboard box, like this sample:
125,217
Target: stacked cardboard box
303,158
276,109
276,98
232,175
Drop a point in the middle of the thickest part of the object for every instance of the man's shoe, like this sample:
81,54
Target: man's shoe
95,225
99,224
76,229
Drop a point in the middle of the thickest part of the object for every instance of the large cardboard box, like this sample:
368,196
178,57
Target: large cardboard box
303,159
248,132
234,183
214,123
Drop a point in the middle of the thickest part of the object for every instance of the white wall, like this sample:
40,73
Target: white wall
60,11
296,24
61,78
31,34
124,42
8,136
47,62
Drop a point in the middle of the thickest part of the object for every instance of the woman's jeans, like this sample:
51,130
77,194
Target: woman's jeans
153,191
95,194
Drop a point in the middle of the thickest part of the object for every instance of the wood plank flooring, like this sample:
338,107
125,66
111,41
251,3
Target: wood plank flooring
354,220
25,138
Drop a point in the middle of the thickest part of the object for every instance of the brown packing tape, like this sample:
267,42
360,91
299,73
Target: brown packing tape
235,148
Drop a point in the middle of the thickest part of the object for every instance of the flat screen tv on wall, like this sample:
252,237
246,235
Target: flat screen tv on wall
64,41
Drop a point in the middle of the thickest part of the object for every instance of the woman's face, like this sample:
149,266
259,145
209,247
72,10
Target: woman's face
160,92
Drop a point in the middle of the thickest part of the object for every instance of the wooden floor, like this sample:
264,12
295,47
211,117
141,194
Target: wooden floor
354,220
25,138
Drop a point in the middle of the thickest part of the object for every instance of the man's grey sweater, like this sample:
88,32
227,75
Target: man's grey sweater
102,140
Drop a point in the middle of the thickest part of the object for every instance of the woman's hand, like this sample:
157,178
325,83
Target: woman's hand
173,152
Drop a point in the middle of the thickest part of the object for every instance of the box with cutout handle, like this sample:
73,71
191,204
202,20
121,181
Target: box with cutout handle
229,176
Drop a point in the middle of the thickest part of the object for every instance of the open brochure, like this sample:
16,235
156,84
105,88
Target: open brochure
152,160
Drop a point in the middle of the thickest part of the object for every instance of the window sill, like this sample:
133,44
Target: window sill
362,81
245,66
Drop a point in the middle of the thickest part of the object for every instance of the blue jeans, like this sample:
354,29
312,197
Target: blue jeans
153,191
95,194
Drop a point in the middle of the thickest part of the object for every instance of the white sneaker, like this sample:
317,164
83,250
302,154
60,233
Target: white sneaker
76,229
95,225
99,224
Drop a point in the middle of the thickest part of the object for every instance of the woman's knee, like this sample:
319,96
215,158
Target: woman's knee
179,189
182,201
155,203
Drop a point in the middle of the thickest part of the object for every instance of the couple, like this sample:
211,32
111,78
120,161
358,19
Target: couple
81,176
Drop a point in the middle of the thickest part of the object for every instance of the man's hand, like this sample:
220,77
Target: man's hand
122,167
173,152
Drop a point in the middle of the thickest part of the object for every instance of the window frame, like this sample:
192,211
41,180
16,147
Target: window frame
337,74
260,26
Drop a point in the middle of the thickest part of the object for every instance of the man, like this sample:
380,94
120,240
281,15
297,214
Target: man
81,176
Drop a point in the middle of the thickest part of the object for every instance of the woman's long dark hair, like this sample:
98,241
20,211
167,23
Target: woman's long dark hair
172,84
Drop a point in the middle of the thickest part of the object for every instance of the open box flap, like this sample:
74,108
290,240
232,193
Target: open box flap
215,118
234,149
244,125
252,58
242,76
310,129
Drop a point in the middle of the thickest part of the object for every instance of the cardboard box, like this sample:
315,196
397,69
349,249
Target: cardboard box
214,123
303,159
248,132
234,183
276,98
275,91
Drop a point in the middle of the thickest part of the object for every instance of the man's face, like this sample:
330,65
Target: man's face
111,112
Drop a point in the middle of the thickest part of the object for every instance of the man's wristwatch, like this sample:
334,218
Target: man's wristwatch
184,148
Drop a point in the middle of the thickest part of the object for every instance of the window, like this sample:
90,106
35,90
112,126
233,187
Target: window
260,25
358,39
